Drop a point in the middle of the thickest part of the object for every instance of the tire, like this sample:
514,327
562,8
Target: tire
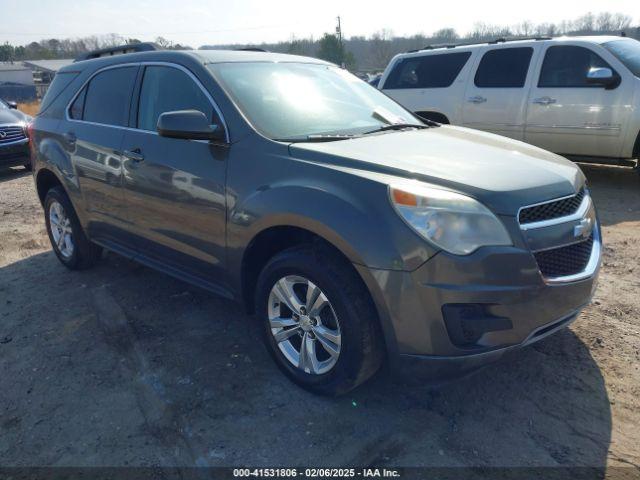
75,251
348,310
434,117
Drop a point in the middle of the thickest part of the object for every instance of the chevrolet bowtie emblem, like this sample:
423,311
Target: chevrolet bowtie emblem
583,229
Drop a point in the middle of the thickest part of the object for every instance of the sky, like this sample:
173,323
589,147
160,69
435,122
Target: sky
198,22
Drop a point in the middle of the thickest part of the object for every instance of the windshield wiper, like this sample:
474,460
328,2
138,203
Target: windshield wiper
317,138
329,137
396,126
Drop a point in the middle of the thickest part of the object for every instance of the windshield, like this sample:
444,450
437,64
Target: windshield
628,52
292,101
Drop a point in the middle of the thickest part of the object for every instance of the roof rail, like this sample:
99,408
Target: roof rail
516,39
467,44
119,50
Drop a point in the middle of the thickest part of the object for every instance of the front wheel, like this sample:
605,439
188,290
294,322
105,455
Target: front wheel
320,324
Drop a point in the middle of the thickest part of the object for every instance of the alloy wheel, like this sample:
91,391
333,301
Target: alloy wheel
304,325
61,230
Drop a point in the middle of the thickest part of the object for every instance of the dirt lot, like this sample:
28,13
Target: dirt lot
30,108
121,365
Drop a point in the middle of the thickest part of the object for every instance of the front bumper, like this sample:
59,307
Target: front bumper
15,153
440,368
501,289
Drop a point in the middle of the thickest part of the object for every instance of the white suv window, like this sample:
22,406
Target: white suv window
504,68
566,66
429,71
628,52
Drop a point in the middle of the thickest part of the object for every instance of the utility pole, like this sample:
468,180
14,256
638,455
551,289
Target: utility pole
339,33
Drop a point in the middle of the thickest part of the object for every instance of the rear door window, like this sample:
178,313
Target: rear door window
504,68
566,66
430,71
167,89
108,96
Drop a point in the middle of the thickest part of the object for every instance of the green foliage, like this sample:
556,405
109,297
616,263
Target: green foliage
331,50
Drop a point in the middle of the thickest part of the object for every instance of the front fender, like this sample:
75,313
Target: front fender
335,219
352,213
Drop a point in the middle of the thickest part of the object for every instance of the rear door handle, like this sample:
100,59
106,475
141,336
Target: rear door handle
477,99
134,154
544,100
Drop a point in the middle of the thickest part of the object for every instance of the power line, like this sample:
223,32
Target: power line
224,30
339,33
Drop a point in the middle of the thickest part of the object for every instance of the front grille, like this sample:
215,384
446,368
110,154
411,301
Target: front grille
11,134
563,261
551,210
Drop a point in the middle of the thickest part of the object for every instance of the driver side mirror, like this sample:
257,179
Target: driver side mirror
603,77
12,105
189,125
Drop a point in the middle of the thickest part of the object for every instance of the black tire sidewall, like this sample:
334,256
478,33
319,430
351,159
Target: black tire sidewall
345,372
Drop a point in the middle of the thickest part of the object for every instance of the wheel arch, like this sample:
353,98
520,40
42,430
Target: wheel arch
434,116
274,239
45,181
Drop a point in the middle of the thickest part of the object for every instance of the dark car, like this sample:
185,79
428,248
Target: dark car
375,81
354,231
14,141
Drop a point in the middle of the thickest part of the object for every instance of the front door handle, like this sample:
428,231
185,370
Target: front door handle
477,99
135,154
544,100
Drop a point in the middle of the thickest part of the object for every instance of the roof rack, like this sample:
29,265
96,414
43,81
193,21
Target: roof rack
467,44
119,50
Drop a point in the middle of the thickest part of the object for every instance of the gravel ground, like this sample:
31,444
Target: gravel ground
121,365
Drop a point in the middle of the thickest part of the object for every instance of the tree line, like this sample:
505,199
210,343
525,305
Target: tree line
357,52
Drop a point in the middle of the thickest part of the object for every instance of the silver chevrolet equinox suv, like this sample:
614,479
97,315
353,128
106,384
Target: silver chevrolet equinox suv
355,232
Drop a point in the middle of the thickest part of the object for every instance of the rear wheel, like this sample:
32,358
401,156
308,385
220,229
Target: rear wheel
68,240
319,321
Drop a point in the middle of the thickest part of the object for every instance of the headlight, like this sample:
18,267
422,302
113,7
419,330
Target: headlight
454,222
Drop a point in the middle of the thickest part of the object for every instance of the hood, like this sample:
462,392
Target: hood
503,174
11,116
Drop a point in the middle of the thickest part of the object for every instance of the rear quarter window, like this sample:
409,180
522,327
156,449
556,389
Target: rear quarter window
60,82
428,71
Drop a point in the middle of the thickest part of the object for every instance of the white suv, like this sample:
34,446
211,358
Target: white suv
576,96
